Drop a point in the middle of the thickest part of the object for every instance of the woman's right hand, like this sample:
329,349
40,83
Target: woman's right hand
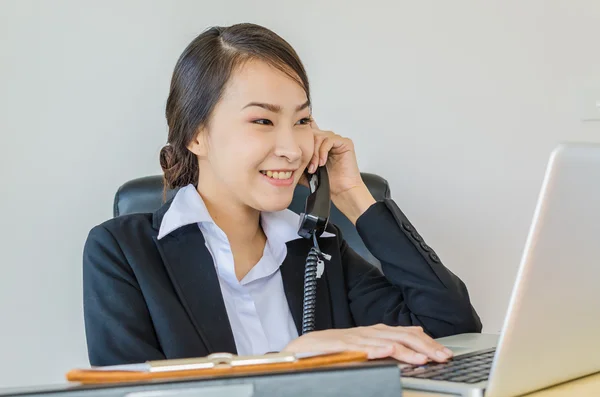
407,344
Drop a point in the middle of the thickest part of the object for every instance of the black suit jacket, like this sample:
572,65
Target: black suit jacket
148,299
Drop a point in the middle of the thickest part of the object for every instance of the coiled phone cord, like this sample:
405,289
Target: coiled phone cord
310,287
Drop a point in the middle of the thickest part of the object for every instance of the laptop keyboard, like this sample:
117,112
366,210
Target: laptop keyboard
468,368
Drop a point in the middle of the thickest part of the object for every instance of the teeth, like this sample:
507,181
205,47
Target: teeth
278,175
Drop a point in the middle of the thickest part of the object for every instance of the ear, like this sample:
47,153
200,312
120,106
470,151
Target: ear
198,145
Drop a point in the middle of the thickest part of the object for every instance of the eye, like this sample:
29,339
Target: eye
304,121
262,122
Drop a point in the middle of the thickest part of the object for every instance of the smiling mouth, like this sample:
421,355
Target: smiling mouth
278,174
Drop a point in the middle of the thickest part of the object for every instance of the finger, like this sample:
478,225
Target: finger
416,331
424,344
419,342
370,341
403,353
373,351
326,146
314,161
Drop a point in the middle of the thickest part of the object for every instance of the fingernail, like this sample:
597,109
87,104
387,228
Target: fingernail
322,162
311,168
442,355
448,352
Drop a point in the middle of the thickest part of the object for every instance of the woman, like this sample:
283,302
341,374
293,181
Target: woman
220,267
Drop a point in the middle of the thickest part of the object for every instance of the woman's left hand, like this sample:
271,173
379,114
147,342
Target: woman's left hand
348,191
338,154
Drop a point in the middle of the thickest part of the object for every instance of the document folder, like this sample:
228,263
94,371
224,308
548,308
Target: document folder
218,364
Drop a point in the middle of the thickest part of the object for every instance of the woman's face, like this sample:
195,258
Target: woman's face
258,140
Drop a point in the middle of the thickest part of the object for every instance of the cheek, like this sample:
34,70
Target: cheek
307,145
308,148
240,154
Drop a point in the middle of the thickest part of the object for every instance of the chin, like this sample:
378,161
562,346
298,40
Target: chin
275,203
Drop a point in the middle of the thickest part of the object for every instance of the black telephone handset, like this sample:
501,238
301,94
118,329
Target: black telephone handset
313,222
315,217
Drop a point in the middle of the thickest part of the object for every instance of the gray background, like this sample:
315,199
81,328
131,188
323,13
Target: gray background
457,103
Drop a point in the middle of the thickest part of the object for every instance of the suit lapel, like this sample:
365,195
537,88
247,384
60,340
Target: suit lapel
292,273
192,272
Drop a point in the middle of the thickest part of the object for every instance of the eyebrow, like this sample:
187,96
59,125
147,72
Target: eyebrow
275,108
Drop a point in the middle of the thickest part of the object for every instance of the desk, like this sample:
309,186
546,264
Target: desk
583,387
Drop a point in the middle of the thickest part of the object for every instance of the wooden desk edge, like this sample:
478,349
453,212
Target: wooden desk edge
586,386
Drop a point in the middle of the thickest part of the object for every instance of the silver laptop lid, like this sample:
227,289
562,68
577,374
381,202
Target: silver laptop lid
551,332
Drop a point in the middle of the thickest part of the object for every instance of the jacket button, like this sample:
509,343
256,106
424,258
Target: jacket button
425,247
434,257
407,227
417,237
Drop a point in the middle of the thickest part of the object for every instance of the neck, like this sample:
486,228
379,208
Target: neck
239,222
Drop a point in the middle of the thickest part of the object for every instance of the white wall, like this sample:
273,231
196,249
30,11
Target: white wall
457,103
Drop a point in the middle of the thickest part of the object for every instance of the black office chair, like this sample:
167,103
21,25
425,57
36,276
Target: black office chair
146,195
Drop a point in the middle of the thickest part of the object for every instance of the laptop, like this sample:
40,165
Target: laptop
551,331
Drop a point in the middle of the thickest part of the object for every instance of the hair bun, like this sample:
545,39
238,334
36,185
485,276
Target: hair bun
167,157
180,167
168,163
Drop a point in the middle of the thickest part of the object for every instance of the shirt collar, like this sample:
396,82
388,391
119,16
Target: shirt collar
188,207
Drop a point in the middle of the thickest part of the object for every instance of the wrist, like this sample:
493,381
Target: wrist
295,345
354,202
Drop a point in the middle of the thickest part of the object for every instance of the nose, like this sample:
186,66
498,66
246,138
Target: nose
287,145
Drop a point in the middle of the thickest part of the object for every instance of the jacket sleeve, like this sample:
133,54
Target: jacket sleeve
118,326
415,287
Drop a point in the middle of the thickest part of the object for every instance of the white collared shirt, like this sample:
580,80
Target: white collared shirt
257,307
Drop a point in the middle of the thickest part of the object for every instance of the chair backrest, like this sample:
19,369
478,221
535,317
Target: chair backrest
146,195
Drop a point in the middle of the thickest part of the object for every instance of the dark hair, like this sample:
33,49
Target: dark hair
198,81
